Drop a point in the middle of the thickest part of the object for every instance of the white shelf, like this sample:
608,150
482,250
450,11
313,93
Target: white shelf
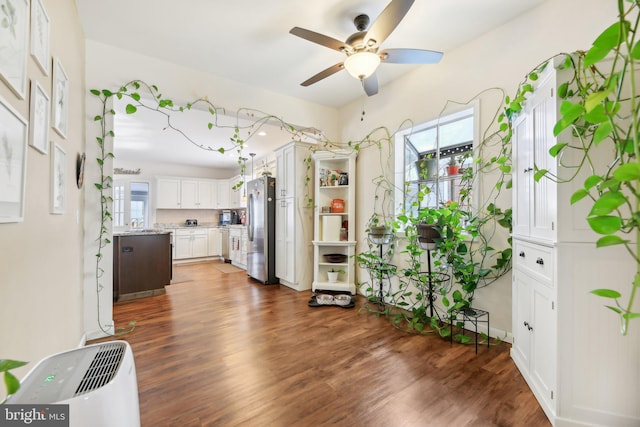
343,162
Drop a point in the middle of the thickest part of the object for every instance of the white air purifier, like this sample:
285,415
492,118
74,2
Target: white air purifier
97,381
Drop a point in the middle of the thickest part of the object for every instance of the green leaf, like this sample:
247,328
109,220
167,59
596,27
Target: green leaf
135,96
597,115
221,150
610,37
602,132
505,168
539,174
8,364
631,315
606,293
569,113
210,126
594,99
616,309
131,109
610,241
97,118
11,382
107,92
96,92
578,195
635,51
605,224
563,89
556,149
608,203
592,181
627,172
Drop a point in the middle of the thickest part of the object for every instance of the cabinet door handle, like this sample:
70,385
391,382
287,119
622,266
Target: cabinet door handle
529,327
521,254
528,170
540,261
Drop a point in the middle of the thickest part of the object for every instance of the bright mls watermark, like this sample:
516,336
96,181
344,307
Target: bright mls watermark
34,415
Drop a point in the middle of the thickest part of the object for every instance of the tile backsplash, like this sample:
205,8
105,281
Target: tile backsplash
178,216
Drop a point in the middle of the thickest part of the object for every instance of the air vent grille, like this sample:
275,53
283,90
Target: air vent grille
103,368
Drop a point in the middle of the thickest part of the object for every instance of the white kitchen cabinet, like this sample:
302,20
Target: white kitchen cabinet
294,217
215,242
236,193
565,342
222,193
192,243
168,193
197,194
327,225
238,246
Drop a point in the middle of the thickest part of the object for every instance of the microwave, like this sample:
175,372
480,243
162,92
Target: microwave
224,218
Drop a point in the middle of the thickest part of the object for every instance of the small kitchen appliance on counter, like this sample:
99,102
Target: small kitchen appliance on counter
224,218
191,223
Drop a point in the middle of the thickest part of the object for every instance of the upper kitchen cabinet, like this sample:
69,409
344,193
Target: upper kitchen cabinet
198,194
237,194
223,200
187,193
168,193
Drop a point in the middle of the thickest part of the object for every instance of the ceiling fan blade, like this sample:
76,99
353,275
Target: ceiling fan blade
410,56
370,85
388,20
323,74
320,39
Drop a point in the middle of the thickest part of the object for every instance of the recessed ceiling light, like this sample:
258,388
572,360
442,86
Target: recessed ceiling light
262,133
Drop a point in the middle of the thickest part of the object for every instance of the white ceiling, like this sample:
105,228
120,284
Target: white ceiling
248,41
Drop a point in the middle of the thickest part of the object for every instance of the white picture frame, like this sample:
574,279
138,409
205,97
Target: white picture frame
60,99
14,133
58,179
14,44
39,118
40,31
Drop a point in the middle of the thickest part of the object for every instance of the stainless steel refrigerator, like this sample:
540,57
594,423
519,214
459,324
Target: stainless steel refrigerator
261,227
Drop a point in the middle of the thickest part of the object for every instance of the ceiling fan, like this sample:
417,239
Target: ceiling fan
362,47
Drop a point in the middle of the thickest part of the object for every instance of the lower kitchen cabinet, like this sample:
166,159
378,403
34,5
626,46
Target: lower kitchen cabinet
238,237
192,243
141,265
215,242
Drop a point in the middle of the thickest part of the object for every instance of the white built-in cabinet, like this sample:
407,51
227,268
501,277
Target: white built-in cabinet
566,344
327,225
294,216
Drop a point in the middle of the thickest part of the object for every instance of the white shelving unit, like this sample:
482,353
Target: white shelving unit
327,225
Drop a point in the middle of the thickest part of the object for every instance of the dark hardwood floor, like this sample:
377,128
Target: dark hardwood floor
223,350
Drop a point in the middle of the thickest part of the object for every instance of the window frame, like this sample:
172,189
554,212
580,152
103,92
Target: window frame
472,108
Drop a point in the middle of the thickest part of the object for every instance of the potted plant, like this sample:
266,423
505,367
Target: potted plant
332,275
427,166
454,166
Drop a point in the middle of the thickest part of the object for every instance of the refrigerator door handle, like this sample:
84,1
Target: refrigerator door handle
250,223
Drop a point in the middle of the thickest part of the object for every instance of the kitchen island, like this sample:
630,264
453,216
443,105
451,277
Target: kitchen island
141,263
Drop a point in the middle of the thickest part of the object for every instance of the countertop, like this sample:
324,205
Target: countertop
142,232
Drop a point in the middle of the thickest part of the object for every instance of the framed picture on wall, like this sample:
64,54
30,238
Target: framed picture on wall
13,163
39,118
14,39
58,179
60,103
40,35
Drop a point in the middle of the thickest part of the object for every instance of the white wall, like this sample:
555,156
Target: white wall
499,59
41,258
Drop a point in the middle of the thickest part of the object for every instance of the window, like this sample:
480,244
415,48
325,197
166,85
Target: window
423,154
130,205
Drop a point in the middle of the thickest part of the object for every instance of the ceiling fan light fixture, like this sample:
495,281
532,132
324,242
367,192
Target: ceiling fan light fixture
362,64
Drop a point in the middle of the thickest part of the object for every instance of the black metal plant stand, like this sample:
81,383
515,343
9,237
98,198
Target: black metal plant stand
381,268
432,278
